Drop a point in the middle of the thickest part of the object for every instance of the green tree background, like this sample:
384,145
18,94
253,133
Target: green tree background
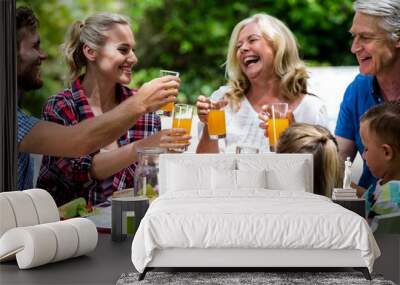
191,36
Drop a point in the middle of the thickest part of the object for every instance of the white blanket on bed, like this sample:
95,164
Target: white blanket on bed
250,219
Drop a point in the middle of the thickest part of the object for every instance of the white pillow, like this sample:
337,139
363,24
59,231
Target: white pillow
283,171
251,178
292,179
226,179
183,177
195,173
223,179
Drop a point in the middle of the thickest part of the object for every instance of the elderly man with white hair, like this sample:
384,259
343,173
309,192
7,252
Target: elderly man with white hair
376,44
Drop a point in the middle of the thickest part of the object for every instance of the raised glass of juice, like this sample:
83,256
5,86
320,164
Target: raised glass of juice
182,118
168,108
216,121
278,122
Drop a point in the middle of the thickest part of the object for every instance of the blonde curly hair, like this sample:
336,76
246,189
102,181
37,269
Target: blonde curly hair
287,64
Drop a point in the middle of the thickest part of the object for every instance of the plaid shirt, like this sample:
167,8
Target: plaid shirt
69,178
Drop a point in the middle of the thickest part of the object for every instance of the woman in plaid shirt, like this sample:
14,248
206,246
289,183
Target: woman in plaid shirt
103,46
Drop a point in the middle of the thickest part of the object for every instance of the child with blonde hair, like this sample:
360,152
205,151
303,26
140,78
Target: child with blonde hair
315,139
380,135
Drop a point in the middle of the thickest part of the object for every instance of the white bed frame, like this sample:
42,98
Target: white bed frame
234,257
251,258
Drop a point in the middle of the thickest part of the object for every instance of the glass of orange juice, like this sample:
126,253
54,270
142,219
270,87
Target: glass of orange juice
168,108
182,118
216,121
278,122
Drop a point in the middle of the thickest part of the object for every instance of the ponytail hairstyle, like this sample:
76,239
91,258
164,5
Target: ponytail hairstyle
315,139
90,32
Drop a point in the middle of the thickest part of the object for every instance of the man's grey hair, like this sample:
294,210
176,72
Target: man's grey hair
388,10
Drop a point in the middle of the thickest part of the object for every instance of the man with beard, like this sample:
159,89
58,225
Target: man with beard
42,137
376,44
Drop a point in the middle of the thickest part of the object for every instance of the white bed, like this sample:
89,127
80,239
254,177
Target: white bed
247,211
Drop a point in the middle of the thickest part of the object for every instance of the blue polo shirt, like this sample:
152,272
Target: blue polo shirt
362,94
25,162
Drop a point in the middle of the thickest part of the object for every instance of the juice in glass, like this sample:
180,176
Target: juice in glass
278,122
185,123
275,128
216,124
182,118
167,109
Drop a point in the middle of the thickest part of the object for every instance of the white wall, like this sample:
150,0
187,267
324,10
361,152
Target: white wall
329,83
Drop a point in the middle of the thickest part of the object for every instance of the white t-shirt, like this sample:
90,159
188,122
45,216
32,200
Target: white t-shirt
242,127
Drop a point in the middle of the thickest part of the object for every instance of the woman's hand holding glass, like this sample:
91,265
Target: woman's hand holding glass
175,140
204,105
157,92
167,109
170,139
212,114
275,118
264,116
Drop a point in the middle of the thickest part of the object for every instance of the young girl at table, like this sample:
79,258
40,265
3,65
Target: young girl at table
380,135
315,139
100,53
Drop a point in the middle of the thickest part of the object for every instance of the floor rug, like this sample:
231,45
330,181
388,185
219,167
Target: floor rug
244,278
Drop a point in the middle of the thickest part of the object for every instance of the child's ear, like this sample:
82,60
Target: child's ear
397,44
387,151
89,53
